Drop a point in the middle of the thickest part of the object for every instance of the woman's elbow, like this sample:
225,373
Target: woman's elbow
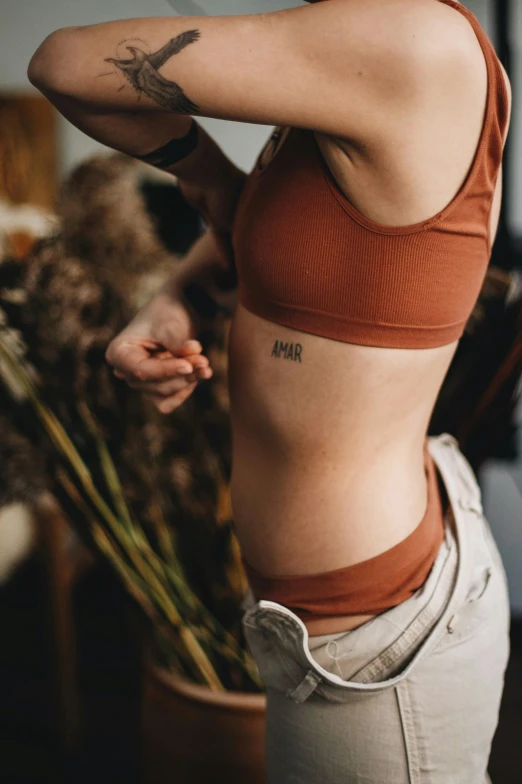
51,66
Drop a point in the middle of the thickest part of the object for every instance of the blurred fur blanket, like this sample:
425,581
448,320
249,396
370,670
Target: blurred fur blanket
67,300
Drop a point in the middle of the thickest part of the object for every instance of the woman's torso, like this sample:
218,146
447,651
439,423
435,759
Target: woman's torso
328,463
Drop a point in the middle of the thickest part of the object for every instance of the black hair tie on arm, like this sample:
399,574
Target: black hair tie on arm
174,151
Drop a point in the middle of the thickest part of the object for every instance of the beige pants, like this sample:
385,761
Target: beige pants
413,695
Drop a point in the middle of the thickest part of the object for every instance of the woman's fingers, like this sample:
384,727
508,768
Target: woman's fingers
191,347
141,362
198,361
133,363
171,386
167,377
167,405
201,370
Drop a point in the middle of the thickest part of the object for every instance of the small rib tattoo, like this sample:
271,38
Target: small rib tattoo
287,351
142,71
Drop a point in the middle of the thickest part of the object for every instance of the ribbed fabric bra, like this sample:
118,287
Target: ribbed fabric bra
308,260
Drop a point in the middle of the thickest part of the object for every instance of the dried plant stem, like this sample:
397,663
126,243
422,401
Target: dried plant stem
138,587
228,646
158,585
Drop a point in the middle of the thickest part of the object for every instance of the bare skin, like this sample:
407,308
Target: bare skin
338,438
327,448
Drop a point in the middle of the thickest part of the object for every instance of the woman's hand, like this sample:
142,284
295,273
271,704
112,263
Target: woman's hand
158,355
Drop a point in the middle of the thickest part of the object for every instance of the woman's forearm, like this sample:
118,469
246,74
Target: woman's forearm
206,167
204,266
134,134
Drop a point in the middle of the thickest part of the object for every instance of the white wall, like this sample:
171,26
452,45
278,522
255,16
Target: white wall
25,23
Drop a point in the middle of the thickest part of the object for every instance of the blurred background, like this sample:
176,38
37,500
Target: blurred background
85,237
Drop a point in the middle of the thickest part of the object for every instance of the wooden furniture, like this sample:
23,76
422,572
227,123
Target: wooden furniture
66,559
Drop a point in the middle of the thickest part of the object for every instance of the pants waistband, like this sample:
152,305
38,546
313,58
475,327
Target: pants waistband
464,499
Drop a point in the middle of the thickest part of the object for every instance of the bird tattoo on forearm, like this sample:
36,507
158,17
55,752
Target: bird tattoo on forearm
142,71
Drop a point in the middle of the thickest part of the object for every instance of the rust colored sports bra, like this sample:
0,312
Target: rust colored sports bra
308,260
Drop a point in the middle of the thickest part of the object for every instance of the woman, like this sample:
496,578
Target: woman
378,612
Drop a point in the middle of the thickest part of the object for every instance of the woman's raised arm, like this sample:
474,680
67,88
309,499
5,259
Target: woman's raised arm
327,67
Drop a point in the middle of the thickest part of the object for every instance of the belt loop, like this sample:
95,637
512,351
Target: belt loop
473,495
470,496
305,688
447,438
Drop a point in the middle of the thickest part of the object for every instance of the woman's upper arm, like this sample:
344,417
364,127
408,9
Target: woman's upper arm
332,67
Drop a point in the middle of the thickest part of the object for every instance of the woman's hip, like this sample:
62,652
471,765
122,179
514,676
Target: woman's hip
414,690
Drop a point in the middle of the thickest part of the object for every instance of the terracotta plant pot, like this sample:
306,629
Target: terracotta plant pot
193,735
